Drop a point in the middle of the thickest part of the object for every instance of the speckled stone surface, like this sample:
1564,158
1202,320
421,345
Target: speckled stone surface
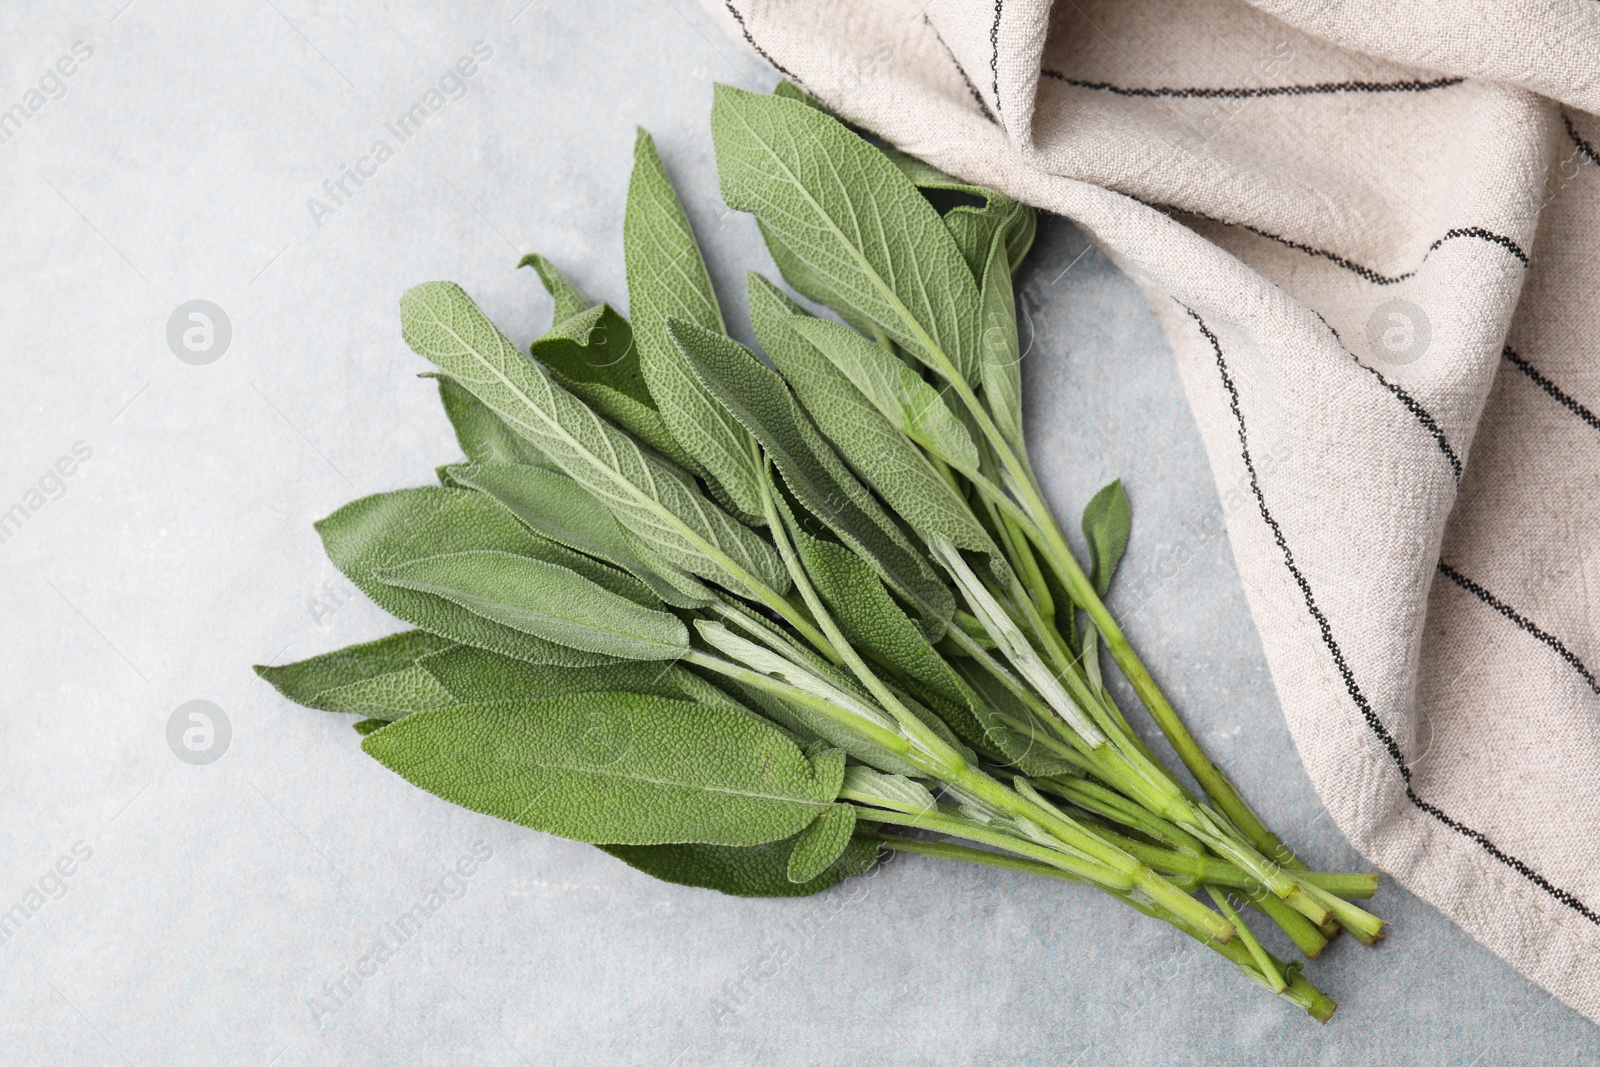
211,907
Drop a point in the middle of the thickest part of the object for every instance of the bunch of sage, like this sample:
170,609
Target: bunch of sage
745,624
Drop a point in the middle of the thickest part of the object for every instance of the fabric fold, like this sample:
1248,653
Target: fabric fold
1372,234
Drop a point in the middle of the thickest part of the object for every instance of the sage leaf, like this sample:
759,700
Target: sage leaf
553,505
839,206
614,768
899,393
751,871
974,228
809,284
667,278
569,299
595,346
593,356
821,843
1002,356
874,625
367,726
472,676
387,529
646,494
546,600
893,791
763,405
1107,522
484,436
372,674
873,446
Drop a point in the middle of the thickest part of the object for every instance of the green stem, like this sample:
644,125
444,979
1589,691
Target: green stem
884,739
1026,803
1306,935
1058,554
943,760
1300,991
1264,961
1079,869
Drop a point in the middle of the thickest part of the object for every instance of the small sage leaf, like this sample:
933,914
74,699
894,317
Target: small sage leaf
569,299
377,674
1002,360
821,843
388,529
1107,522
895,792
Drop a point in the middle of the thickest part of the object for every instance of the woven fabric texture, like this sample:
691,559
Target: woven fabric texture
1372,233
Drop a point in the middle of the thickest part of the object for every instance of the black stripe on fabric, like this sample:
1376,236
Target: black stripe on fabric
762,52
1564,896
1257,92
1583,146
1522,622
1423,416
1483,235
994,53
1552,389
971,88
1340,261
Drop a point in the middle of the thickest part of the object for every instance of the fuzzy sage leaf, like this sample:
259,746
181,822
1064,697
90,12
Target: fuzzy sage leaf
648,496
614,768
667,278
546,600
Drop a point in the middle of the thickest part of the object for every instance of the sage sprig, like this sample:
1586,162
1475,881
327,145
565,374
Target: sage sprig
746,623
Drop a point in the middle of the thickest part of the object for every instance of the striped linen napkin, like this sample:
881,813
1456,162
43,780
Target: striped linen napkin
1372,234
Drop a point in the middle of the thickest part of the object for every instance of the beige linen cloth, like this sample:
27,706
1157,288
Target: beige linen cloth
1372,233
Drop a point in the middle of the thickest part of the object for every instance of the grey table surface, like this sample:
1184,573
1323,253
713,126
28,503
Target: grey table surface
208,905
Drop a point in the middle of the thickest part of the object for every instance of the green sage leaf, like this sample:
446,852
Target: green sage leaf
821,843
1002,356
667,278
838,205
473,676
751,871
555,506
546,600
569,299
593,356
898,392
874,447
614,768
893,791
484,436
381,674
646,494
763,405
974,228
1107,522
388,529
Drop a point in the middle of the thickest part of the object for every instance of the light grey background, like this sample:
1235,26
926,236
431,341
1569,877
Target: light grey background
219,898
